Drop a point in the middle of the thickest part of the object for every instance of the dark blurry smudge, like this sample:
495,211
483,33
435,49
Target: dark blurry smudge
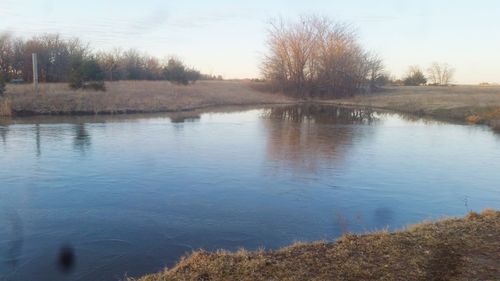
66,259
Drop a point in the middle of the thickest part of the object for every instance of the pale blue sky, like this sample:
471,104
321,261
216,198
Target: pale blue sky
228,37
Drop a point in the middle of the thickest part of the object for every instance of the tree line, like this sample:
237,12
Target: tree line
67,60
317,57
438,74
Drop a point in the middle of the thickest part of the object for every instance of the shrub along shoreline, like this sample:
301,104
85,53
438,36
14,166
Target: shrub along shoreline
450,249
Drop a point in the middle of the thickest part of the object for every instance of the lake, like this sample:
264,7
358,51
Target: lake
132,194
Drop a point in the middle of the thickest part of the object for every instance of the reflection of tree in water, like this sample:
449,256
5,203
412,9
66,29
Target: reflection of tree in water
415,117
322,114
185,120
38,140
43,132
306,137
82,139
184,117
3,133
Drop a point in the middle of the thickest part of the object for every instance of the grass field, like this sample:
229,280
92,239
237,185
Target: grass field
473,104
133,97
452,249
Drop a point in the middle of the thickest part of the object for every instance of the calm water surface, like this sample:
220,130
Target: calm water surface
131,195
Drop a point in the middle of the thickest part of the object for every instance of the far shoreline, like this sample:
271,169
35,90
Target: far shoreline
460,104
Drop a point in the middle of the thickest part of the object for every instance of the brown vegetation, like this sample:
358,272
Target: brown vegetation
452,249
440,74
316,57
414,77
473,104
134,97
60,58
5,107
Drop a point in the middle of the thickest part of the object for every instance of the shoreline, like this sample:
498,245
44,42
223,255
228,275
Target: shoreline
218,107
462,104
134,97
201,109
449,118
449,249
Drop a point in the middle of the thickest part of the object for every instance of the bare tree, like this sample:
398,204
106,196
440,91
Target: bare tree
6,54
56,55
375,70
440,74
109,62
153,68
317,57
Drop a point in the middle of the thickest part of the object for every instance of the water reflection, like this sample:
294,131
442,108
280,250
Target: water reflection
48,133
177,187
304,138
3,133
184,117
82,139
322,114
38,145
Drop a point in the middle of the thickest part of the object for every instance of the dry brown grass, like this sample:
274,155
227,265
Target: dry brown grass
452,249
135,97
473,104
5,108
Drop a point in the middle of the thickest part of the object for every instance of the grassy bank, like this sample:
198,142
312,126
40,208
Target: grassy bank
134,97
473,104
452,249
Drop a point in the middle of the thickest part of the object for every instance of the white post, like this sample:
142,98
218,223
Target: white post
35,72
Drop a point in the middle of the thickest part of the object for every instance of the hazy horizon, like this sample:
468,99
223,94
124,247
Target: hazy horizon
228,38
